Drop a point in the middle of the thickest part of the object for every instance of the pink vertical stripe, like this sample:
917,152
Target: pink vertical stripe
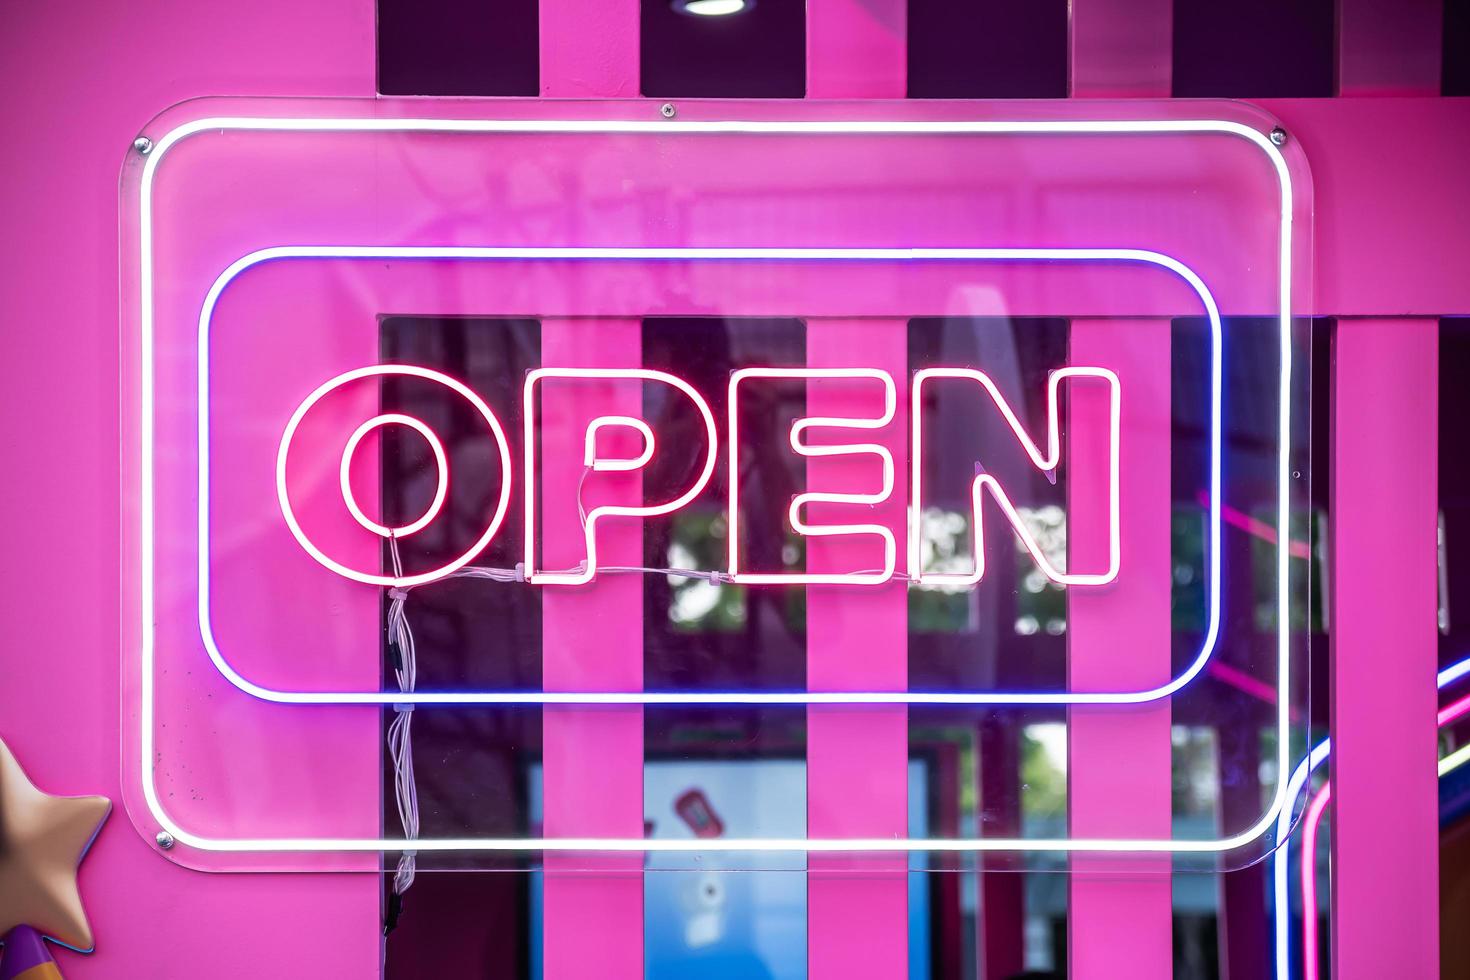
592,636
1122,49
592,639
1385,844
1119,757
857,49
1389,48
589,50
857,640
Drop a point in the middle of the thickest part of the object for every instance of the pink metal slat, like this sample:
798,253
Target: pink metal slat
1385,840
857,921
1118,637
1122,48
592,639
857,639
589,50
1385,881
592,636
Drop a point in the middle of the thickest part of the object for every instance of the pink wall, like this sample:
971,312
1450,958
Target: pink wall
81,79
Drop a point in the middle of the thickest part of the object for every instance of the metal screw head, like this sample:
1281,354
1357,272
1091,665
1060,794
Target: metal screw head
143,144
667,110
165,839
1278,136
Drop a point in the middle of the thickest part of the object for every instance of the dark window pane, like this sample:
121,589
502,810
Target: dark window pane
1248,49
458,47
1456,71
759,53
991,49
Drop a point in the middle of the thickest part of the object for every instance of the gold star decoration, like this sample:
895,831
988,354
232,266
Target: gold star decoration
42,841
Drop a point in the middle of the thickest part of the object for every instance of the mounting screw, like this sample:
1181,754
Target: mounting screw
143,144
1278,136
165,839
667,110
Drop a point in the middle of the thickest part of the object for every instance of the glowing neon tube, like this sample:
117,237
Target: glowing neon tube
1046,461
803,448
441,463
589,529
283,494
1281,912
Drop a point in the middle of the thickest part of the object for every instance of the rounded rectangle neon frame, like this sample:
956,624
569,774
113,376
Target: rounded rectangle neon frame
983,483
812,128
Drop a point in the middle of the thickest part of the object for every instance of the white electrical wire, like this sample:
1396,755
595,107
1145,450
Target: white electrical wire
400,730
400,635
518,573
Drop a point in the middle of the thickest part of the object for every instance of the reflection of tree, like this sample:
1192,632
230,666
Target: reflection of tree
698,541
1043,772
1041,604
944,546
1195,774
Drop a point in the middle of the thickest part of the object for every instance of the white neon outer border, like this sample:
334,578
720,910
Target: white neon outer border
812,128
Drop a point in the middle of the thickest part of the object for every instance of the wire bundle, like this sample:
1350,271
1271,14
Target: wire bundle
400,730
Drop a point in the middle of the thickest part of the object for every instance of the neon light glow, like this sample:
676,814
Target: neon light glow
1452,712
441,464
712,8
283,495
146,612
589,530
1309,881
1281,901
592,461
801,500
1046,462
1311,968
1454,760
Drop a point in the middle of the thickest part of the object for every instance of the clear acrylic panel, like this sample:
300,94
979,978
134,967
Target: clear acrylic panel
771,486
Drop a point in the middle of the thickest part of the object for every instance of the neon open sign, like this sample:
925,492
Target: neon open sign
1045,458
1092,217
